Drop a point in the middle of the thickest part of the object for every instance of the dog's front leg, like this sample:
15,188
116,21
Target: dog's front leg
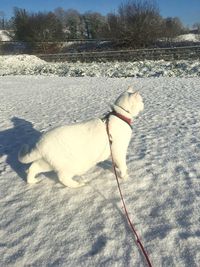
120,164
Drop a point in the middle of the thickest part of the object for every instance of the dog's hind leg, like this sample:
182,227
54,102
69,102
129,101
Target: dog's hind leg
67,180
37,167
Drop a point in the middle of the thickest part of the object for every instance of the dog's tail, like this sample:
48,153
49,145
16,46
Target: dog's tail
27,156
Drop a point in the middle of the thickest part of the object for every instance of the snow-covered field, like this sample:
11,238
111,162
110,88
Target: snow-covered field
49,225
32,65
187,37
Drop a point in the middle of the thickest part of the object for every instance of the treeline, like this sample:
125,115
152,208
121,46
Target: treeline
137,23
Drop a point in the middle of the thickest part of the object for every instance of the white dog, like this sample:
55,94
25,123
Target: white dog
73,149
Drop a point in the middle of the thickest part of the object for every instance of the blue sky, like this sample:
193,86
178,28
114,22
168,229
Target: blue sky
187,10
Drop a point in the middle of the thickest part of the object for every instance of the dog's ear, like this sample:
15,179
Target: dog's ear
130,89
136,93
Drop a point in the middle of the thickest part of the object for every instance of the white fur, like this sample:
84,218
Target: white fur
73,149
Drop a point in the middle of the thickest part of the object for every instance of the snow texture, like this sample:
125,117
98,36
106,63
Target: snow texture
4,36
32,65
48,224
191,37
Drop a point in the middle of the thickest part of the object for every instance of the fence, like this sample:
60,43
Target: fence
50,52
177,53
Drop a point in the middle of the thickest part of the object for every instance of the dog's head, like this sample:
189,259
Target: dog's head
130,101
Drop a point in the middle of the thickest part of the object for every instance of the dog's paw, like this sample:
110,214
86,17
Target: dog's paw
32,180
82,183
123,176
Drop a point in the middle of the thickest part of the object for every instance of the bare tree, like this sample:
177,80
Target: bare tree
73,24
2,20
141,21
94,25
172,27
36,27
90,25
61,15
138,22
114,27
196,26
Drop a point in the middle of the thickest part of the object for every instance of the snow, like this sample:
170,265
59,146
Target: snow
32,65
191,37
49,225
4,36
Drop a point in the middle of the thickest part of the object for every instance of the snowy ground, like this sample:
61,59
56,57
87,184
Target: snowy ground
187,37
32,65
50,225
5,36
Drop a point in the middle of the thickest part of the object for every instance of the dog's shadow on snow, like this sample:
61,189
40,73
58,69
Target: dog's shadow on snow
12,139
106,165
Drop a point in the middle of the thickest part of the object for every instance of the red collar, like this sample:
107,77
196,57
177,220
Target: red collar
122,117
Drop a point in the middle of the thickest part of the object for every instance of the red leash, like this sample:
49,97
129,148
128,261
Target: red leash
138,242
